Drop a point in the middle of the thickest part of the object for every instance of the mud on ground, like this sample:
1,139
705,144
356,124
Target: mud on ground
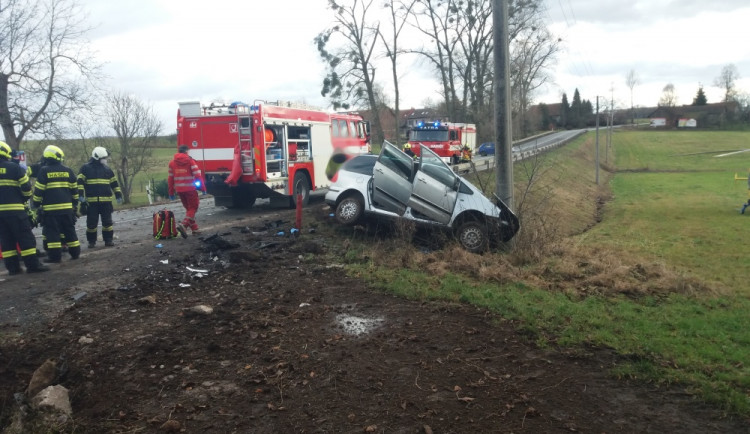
273,336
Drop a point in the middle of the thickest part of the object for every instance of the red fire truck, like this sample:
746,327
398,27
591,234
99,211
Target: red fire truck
446,139
266,150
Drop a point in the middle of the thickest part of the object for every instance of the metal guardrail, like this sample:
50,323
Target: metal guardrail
489,163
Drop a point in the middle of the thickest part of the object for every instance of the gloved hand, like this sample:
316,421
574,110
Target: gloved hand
82,199
39,216
203,192
172,197
119,201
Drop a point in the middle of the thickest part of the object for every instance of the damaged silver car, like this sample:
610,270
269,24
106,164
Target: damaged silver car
393,185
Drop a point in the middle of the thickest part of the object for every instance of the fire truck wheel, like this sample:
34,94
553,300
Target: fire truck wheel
472,235
349,210
301,186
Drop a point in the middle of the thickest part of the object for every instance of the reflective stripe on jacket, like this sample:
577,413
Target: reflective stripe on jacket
97,182
56,189
15,189
183,170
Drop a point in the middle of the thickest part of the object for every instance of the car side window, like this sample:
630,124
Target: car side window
397,161
432,165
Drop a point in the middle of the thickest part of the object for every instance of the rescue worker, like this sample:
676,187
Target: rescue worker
15,227
33,172
466,154
185,178
408,151
56,199
97,186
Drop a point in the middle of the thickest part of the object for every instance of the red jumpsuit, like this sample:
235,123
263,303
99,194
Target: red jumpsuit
183,172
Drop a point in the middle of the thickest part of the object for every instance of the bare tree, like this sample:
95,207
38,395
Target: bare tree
632,80
398,11
727,80
668,97
532,55
136,127
437,20
351,73
44,66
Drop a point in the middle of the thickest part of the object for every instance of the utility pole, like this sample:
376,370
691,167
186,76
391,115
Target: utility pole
597,140
610,122
503,133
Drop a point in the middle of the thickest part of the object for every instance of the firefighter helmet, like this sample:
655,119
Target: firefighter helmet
54,153
5,150
99,152
407,145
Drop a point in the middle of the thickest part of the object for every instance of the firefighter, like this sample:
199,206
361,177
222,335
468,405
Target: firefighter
466,154
15,228
56,199
186,179
33,172
408,151
97,186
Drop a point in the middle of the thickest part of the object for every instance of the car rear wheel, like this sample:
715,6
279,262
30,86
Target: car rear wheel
473,236
349,210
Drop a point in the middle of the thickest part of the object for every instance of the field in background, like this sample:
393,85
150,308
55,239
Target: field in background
675,199
650,264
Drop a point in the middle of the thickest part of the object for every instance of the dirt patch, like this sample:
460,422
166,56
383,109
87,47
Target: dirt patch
286,341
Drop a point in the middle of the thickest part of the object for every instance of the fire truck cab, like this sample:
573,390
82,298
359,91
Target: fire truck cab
447,139
266,150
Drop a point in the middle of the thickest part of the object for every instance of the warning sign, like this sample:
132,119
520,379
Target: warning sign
232,128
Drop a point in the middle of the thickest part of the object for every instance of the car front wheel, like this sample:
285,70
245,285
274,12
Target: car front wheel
472,235
349,210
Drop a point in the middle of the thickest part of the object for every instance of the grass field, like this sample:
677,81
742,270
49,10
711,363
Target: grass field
660,279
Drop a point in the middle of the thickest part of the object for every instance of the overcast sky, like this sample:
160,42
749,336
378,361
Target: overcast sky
166,51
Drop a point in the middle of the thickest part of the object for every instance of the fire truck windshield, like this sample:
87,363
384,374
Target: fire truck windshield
429,136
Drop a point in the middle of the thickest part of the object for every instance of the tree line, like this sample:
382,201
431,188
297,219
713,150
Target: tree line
50,89
454,38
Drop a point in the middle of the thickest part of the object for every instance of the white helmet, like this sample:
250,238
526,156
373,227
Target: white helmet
98,153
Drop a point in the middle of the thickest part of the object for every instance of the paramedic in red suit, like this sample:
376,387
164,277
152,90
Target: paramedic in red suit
184,174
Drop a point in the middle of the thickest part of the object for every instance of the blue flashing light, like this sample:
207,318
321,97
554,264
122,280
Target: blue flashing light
420,124
436,123
197,183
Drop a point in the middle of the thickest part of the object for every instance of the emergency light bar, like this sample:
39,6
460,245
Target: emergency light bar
431,126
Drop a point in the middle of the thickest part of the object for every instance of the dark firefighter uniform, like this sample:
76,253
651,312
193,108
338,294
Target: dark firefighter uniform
15,227
56,195
33,172
98,186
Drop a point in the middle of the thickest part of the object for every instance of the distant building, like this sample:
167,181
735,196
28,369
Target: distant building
700,116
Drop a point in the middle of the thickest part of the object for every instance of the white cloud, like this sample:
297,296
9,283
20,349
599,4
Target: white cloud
684,43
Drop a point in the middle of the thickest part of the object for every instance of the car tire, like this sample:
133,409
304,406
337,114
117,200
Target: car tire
473,236
349,210
301,186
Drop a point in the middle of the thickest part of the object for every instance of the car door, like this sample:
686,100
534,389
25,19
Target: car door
435,188
392,179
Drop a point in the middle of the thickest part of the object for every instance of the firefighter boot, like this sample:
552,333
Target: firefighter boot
74,252
91,237
33,265
54,256
108,238
13,265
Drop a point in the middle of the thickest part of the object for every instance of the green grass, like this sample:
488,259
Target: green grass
677,209
685,208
